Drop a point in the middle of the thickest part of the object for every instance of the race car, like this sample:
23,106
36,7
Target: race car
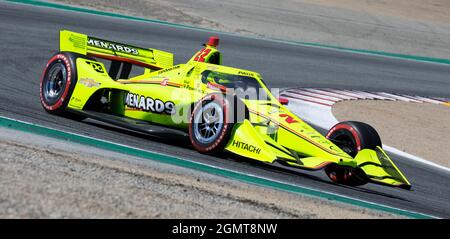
219,108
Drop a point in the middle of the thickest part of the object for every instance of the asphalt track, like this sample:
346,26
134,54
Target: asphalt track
29,36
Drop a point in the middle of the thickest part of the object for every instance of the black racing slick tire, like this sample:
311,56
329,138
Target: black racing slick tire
210,125
354,136
57,83
351,137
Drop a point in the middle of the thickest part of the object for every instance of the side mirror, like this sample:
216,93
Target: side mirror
283,101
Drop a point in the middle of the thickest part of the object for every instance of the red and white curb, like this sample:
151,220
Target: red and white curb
328,97
314,105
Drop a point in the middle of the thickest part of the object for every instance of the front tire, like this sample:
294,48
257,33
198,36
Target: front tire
210,126
351,137
57,83
354,136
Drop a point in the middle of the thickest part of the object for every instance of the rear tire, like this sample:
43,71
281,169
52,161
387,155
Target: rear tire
57,83
351,137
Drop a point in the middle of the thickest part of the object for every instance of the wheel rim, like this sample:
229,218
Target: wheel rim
345,141
55,82
346,176
208,123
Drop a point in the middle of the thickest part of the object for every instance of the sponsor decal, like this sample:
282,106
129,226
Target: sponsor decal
214,86
289,119
186,82
212,68
96,66
77,41
245,73
157,77
149,104
250,148
112,46
164,82
75,102
273,111
168,69
89,82
194,89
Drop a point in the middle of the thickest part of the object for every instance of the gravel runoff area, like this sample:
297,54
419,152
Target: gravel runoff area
417,128
42,177
418,27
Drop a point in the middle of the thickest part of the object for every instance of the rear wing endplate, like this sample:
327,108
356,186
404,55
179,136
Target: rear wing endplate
86,45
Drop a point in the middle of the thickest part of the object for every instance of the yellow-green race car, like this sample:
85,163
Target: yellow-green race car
220,108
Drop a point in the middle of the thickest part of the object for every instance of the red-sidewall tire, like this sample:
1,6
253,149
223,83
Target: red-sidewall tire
57,105
352,137
361,135
346,175
224,134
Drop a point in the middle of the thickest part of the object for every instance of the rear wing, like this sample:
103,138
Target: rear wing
86,45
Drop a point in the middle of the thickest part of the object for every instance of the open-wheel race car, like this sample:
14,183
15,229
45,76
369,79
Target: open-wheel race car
220,108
